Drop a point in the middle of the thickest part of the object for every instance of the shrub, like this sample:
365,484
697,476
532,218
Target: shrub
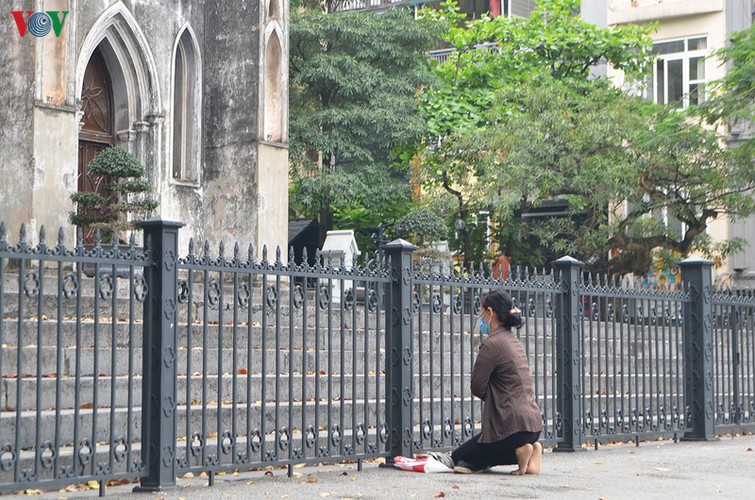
120,192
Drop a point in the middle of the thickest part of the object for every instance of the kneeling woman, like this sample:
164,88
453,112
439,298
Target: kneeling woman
511,419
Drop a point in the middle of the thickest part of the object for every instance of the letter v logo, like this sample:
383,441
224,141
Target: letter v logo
57,22
21,22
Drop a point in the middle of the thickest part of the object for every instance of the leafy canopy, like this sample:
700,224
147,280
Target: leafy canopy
518,126
354,85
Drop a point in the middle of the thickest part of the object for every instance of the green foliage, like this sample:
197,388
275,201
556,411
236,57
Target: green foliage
493,58
732,99
116,162
120,191
354,84
629,172
493,53
420,225
517,126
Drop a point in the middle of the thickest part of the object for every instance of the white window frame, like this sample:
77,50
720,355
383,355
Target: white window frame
685,56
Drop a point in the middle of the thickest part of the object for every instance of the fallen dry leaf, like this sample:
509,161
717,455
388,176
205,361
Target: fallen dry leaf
749,449
439,495
312,479
454,486
117,482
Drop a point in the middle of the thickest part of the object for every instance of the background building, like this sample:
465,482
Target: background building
197,90
688,32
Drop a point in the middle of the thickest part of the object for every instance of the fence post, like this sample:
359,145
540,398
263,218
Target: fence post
569,395
698,349
399,395
159,356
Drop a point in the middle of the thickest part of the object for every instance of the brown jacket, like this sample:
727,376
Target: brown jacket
501,378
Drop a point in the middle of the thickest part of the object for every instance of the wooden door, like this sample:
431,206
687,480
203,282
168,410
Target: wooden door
97,131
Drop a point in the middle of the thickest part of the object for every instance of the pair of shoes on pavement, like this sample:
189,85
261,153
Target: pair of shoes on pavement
466,468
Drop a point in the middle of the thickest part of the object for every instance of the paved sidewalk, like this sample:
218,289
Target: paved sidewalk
657,469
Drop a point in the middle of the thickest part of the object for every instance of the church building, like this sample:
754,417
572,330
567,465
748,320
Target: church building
197,90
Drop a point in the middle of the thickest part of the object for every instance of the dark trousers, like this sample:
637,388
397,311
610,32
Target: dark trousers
503,452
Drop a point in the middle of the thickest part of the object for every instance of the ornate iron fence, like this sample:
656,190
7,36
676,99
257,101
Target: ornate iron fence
632,374
280,363
733,350
141,363
445,305
70,333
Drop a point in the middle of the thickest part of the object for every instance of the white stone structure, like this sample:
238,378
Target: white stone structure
340,249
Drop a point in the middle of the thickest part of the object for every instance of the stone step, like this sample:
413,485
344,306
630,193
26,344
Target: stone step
42,394
82,360
216,419
299,387
46,332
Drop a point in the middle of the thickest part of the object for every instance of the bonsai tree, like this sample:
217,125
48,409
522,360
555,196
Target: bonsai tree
120,191
420,225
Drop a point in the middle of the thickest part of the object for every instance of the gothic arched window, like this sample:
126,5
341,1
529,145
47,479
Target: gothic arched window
187,105
273,125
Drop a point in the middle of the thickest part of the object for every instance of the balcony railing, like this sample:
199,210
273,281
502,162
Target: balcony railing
443,55
354,5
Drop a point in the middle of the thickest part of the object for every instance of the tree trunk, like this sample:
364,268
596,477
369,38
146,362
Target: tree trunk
326,221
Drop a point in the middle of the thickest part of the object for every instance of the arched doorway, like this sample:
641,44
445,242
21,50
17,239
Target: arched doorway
97,129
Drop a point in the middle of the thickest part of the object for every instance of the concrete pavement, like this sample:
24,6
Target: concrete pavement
655,469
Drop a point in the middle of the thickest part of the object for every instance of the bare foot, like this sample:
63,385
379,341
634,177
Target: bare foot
533,466
523,454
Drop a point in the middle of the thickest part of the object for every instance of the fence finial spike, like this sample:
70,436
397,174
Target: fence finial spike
2,231
221,249
79,236
278,253
236,251
206,248
22,233
42,235
291,254
97,237
61,236
191,247
251,254
305,256
132,240
264,253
